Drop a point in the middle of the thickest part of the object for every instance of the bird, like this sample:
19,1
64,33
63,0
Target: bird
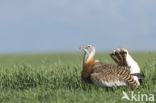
103,74
123,58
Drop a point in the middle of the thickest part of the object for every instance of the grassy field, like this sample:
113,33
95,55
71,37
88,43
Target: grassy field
56,78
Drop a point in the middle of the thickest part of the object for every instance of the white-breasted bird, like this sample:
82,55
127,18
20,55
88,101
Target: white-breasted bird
102,74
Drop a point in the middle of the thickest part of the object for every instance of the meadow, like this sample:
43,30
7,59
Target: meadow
56,78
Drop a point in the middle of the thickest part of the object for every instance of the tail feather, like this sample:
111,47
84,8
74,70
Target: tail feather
130,80
139,75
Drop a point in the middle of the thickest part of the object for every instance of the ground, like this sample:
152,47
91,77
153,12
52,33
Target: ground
56,78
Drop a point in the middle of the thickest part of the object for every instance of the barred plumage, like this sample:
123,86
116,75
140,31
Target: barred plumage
123,58
103,74
119,57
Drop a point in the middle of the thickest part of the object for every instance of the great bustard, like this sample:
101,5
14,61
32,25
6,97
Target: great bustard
102,74
123,58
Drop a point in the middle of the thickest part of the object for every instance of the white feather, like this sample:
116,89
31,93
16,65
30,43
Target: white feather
97,61
133,66
110,84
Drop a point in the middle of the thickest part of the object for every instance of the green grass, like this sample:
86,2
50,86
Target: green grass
56,78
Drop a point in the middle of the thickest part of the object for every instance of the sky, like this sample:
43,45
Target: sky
65,25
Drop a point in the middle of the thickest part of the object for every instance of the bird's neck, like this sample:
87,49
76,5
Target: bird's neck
87,66
88,57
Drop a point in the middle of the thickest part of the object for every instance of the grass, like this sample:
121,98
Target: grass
56,78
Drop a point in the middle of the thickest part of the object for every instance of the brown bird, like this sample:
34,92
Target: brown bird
102,74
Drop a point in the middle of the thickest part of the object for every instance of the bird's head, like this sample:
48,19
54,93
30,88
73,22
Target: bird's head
88,49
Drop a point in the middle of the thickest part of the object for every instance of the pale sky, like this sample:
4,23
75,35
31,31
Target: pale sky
65,25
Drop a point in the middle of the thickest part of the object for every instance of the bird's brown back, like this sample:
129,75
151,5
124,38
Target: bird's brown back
109,72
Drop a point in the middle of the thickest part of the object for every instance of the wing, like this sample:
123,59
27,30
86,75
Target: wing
116,58
119,56
111,75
